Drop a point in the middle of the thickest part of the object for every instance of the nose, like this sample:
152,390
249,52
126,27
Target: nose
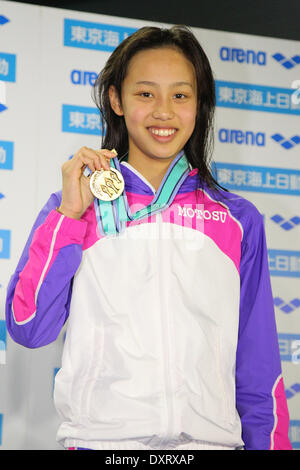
163,110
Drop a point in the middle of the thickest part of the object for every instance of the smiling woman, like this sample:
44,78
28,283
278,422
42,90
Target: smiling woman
159,105
165,71
171,340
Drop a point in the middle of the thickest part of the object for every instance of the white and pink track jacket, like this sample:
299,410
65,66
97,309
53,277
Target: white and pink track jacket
171,338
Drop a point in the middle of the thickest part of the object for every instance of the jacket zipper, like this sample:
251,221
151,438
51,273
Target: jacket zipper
165,337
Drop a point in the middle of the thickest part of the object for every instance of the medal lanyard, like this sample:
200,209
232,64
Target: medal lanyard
112,215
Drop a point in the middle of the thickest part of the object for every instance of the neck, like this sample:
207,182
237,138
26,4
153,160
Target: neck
153,169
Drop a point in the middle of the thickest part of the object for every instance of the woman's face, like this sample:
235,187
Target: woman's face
159,102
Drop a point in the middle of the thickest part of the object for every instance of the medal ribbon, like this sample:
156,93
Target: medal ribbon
113,215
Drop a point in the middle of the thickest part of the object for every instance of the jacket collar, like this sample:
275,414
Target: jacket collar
135,182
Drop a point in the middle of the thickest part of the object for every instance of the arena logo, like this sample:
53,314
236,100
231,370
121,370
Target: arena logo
292,390
5,236
288,63
248,56
259,139
83,77
238,136
3,339
6,155
287,307
286,224
3,20
289,347
287,144
258,97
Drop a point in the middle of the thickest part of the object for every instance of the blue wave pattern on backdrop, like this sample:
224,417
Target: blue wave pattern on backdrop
256,97
97,36
81,119
258,178
7,67
6,155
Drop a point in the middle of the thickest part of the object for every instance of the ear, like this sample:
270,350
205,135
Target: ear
115,101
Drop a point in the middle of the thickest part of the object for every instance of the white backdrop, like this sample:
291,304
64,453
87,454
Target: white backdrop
48,61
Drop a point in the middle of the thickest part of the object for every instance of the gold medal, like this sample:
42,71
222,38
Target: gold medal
107,185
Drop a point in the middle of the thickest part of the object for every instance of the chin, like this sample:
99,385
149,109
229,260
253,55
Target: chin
165,152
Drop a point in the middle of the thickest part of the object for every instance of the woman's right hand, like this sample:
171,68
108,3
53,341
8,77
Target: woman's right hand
76,193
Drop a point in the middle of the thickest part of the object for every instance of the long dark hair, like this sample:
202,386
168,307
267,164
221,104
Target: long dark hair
199,147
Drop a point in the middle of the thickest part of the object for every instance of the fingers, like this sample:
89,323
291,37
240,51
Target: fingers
93,159
105,156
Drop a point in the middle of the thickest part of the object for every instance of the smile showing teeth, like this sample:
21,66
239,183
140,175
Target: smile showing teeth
162,132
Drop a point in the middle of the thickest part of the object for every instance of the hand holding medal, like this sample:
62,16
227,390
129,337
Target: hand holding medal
76,192
107,185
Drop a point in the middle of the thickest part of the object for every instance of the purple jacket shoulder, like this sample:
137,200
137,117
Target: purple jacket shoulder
39,292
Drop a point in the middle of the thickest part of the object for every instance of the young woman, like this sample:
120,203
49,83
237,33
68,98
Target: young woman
171,339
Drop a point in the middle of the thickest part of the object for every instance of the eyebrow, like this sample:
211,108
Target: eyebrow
146,82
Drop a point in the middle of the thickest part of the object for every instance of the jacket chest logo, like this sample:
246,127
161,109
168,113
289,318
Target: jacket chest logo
202,214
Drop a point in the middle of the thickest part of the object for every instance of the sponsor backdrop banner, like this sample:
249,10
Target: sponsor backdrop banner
49,59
